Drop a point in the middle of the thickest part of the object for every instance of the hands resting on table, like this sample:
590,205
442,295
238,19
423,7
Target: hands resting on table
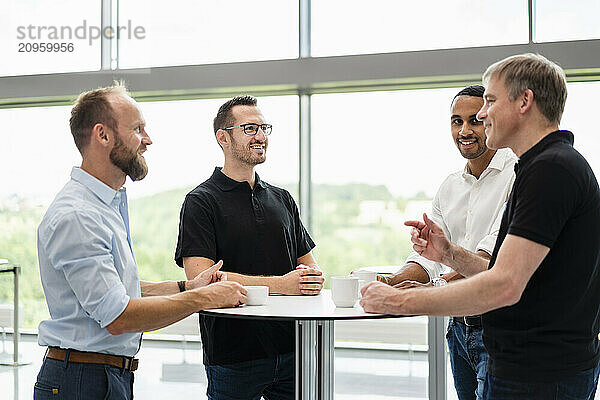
304,280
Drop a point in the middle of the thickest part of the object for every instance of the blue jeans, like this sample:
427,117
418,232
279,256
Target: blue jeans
77,381
581,386
272,378
468,359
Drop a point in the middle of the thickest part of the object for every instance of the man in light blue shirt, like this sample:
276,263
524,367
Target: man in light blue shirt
98,306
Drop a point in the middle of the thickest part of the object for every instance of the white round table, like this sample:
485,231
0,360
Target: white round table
314,317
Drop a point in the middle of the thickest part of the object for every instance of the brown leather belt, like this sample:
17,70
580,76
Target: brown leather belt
129,364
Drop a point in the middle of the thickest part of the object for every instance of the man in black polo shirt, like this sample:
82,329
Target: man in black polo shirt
255,228
541,293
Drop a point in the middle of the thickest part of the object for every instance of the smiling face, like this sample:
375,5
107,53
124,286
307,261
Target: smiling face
247,149
131,140
467,132
499,114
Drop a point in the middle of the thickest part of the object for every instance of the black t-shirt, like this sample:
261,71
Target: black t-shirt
254,232
551,332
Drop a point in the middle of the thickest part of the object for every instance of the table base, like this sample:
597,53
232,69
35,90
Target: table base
314,360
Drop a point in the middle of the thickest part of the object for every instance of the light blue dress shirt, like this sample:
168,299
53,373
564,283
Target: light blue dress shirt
87,267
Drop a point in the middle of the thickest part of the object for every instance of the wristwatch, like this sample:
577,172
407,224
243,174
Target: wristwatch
438,282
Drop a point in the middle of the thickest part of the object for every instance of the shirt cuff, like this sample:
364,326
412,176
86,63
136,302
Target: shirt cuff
112,304
487,244
433,269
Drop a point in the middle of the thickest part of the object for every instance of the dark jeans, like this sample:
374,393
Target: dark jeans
272,378
77,381
468,359
581,386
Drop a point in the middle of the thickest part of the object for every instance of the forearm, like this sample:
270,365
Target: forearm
452,276
411,271
465,262
273,282
484,292
159,288
155,312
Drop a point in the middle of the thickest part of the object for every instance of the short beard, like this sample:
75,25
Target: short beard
471,156
245,155
131,163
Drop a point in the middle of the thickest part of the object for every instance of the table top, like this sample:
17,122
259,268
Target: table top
278,307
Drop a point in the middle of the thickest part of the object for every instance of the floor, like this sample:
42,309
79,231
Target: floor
167,371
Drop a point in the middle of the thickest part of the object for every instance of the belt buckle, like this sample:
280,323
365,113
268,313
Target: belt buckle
466,323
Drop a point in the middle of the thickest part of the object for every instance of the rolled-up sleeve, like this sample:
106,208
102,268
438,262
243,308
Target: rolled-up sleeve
433,269
81,249
488,242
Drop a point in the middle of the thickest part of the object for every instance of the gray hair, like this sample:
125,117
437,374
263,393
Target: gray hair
544,78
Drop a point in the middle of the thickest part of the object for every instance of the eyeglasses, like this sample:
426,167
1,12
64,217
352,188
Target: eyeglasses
252,129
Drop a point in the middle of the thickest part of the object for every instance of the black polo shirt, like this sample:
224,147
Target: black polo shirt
254,232
551,332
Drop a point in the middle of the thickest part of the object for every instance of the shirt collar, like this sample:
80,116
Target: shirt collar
227,184
100,189
556,136
497,162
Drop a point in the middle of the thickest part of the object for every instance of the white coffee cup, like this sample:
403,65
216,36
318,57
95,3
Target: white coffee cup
344,290
365,275
257,295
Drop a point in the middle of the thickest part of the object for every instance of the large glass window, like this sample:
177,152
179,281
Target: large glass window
378,159
578,118
557,20
183,32
38,153
40,37
342,27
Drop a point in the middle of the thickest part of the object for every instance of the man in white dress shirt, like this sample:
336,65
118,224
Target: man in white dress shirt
468,207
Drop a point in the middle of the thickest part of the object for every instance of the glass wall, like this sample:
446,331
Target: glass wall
181,32
557,20
378,159
341,27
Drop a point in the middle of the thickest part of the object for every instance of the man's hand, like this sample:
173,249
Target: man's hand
208,276
429,240
222,294
304,280
380,298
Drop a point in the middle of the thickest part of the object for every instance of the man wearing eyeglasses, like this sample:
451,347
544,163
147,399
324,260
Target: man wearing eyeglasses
255,228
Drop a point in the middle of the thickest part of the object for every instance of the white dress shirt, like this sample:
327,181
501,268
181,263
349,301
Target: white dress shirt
469,210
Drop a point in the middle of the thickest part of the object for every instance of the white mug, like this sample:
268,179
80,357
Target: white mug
344,290
364,275
257,295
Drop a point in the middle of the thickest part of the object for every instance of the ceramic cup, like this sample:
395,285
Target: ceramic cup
257,295
344,290
365,275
